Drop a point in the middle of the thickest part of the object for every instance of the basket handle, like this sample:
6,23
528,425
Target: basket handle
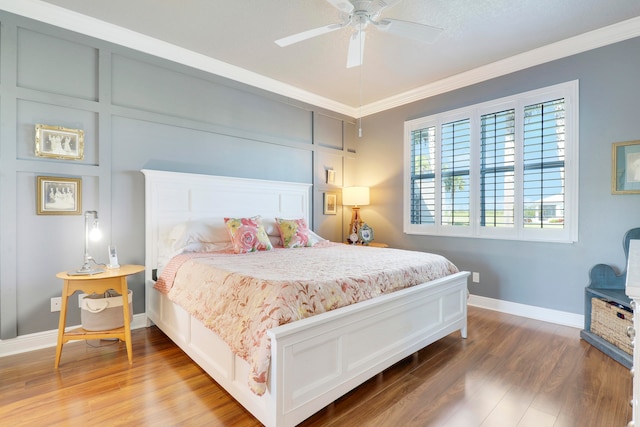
96,305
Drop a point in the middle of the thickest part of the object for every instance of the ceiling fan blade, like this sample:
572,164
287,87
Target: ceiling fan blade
412,30
356,49
295,38
342,5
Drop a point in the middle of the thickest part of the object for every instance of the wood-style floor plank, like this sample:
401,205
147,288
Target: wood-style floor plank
510,372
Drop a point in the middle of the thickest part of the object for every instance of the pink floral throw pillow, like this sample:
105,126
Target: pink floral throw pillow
293,232
247,235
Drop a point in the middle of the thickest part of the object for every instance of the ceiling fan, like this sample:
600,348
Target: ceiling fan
359,14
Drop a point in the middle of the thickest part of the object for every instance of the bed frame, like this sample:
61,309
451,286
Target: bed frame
316,360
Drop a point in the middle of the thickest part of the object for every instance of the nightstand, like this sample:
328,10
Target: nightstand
115,279
378,245
372,244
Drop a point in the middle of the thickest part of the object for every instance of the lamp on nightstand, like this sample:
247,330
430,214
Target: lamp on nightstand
356,197
91,231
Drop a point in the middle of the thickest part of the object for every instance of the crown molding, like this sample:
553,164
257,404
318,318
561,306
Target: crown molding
64,18
74,21
591,40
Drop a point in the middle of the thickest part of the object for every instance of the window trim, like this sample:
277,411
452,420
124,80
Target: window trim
568,234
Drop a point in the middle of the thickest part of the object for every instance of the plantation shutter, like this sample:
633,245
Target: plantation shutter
544,165
423,194
454,169
497,169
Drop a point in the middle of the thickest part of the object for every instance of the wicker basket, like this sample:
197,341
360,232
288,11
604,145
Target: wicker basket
611,323
102,312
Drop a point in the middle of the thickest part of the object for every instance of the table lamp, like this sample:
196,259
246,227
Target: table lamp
356,197
91,231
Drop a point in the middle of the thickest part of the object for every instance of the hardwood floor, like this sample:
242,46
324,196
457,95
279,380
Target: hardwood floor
511,371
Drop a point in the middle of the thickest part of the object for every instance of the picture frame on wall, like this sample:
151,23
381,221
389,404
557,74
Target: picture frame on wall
59,196
625,168
57,142
331,176
330,203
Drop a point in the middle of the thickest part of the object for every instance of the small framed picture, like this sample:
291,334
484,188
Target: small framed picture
330,203
59,196
366,234
331,176
57,142
625,168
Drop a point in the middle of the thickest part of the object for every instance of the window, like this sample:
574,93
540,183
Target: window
504,169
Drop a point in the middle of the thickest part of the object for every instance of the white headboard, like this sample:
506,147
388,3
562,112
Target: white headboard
173,197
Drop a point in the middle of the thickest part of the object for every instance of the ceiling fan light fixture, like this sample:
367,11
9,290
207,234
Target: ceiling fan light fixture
359,14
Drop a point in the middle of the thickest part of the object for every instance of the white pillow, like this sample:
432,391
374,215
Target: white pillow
271,227
210,230
314,238
207,247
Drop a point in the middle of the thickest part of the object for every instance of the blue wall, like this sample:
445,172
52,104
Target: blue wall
549,275
137,111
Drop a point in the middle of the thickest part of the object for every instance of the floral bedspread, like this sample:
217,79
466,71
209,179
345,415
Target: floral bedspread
241,296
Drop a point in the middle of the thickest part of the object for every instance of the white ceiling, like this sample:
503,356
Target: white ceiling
235,38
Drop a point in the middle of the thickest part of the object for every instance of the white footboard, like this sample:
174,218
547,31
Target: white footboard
318,359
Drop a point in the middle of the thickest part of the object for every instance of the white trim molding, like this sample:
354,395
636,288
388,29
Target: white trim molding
529,311
46,339
584,42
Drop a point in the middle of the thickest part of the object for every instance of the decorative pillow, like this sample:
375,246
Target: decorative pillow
247,235
294,233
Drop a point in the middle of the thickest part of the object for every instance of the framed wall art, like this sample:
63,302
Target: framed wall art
330,203
57,142
625,168
331,176
59,196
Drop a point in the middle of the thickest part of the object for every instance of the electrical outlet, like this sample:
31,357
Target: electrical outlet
56,303
475,277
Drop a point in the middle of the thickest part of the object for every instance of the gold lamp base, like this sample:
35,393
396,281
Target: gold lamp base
355,225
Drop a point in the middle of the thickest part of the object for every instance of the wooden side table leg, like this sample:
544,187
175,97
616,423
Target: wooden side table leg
127,323
62,323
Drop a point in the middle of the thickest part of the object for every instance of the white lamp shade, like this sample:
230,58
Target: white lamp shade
355,196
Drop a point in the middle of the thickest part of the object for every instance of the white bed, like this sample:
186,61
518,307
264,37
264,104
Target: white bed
316,360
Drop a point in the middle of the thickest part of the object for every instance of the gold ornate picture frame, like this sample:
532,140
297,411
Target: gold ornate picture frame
625,168
59,196
57,142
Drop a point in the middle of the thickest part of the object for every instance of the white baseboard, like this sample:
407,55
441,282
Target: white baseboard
46,339
529,311
39,340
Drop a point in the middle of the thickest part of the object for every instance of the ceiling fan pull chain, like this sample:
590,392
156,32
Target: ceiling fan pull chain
360,71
